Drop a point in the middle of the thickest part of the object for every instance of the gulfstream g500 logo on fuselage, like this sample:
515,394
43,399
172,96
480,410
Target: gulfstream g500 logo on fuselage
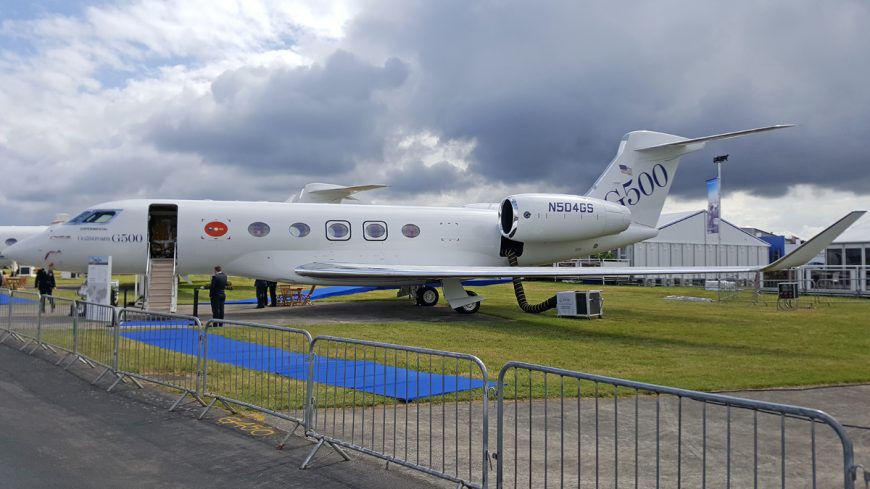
633,191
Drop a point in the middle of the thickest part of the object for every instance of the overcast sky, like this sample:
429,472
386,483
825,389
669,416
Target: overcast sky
448,102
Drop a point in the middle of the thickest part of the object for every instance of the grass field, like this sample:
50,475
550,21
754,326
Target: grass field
704,346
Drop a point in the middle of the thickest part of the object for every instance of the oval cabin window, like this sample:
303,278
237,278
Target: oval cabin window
338,230
299,230
258,229
375,230
411,230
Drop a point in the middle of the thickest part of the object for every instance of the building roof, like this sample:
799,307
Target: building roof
671,218
857,233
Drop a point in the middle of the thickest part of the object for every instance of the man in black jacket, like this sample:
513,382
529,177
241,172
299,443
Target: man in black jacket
217,293
260,287
45,284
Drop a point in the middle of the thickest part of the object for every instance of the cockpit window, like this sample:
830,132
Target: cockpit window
94,217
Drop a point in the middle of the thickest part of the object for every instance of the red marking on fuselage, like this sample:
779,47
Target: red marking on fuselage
216,229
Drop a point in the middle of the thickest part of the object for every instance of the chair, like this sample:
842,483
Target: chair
290,295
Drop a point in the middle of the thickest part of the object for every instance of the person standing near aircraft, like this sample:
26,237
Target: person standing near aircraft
45,284
273,292
260,287
217,293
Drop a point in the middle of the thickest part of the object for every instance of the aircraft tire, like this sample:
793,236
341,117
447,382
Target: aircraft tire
427,296
470,308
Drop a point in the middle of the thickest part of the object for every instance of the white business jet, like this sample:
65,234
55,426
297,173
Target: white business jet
10,235
340,244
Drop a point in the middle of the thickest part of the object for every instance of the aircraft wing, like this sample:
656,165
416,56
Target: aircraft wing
328,193
426,273
798,257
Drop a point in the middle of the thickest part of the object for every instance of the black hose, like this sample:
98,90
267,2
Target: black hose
520,292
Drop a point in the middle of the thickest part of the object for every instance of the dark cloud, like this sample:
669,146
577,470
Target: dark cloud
308,121
547,89
542,92
417,178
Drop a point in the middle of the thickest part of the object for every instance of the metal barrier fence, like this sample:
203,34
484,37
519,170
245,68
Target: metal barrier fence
5,311
57,324
617,433
361,394
259,366
95,329
24,315
161,348
820,291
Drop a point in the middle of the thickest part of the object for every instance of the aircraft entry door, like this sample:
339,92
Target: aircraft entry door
162,230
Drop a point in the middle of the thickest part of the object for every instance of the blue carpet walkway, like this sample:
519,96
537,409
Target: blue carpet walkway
367,376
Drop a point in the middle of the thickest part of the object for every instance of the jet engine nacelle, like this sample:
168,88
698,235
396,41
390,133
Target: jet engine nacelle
559,217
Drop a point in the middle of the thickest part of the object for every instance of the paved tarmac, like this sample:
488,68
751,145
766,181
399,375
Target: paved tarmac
56,430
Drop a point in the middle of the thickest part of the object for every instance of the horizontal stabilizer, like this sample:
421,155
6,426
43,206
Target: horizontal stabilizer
807,251
727,135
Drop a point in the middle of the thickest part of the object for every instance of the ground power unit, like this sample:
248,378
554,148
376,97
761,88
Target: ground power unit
579,304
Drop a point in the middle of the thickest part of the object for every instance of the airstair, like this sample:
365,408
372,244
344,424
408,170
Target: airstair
161,287
161,291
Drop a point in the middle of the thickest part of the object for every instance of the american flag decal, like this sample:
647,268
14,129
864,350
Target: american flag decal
625,169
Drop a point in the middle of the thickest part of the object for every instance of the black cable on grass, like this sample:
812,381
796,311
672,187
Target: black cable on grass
520,292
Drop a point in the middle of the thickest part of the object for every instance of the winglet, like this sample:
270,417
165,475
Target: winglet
807,251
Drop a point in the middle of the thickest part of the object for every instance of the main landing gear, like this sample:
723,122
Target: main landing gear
461,300
469,308
427,296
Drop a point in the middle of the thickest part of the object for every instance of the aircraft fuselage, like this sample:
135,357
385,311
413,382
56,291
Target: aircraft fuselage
268,239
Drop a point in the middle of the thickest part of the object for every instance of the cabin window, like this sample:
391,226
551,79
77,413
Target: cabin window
11,241
94,217
258,229
299,230
375,230
411,230
338,230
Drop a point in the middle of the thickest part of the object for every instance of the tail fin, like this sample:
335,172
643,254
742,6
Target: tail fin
641,174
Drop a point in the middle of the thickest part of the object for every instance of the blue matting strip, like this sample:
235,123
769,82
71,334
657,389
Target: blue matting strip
362,375
5,299
339,290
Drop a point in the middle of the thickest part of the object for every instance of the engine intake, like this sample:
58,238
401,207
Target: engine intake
559,217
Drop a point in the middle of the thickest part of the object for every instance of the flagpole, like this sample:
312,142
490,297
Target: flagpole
718,160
